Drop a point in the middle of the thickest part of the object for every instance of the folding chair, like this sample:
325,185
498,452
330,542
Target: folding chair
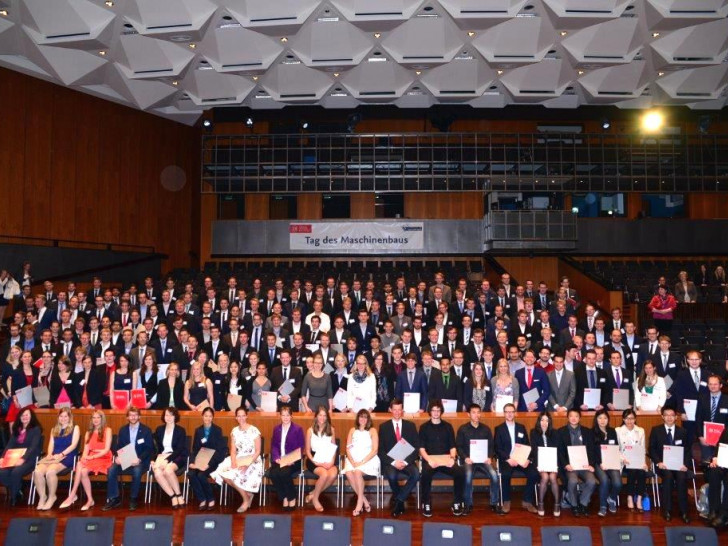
92,531
31,532
329,530
70,472
272,530
387,532
207,529
306,476
150,529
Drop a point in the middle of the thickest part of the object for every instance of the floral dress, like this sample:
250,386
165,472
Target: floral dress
249,479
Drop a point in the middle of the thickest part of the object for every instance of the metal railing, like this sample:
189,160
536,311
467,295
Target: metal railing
535,230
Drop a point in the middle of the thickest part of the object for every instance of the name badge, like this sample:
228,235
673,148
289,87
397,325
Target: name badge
678,442
217,381
140,441
169,350
636,346
203,441
520,434
200,384
703,384
601,380
68,382
405,324
127,380
611,442
292,381
439,355
536,380
671,365
83,382
723,410
528,335
486,388
351,321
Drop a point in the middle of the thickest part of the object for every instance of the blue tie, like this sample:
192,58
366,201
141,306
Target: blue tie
713,407
591,379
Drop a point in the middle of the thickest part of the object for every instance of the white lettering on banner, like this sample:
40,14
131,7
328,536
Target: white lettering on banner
399,236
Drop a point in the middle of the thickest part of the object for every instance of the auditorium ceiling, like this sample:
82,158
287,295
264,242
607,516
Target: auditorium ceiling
177,58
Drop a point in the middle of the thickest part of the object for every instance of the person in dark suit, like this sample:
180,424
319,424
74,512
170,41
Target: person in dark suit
573,434
171,441
140,436
717,481
284,372
668,362
616,378
588,376
89,385
412,380
446,385
210,436
170,390
270,353
163,345
532,377
363,331
391,432
712,408
691,384
26,434
671,435
507,434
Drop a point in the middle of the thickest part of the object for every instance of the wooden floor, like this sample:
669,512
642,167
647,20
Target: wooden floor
480,516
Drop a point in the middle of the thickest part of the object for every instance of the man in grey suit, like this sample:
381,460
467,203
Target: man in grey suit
563,386
440,283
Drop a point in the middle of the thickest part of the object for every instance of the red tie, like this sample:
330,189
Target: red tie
397,433
530,378
573,332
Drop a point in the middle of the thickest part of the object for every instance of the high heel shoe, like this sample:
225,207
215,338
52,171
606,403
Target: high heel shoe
356,512
68,502
87,507
181,502
308,498
367,506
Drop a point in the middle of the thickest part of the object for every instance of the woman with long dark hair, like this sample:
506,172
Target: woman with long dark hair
610,481
543,435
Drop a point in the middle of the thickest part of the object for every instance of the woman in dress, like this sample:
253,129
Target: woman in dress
146,378
25,434
234,384
171,442
259,383
121,380
320,433
503,383
96,458
25,375
339,377
542,435
287,438
385,379
209,436
243,469
361,390
44,375
61,383
630,435
218,377
662,306
362,460
316,387
79,353
610,481
62,449
198,389
477,389
651,385
89,385
170,391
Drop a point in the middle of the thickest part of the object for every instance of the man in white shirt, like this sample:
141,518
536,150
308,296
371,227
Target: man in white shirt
318,311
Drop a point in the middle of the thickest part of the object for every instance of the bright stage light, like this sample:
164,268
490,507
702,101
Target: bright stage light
652,121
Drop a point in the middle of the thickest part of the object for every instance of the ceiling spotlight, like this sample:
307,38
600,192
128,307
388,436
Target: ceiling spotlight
580,72
655,34
563,33
207,124
102,53
193,46
4,12
284,39
109,3
418,72
304,125
175,83
652,121
249,122
377,35
606,124
336,74
471,33
660,73
255,78
500,72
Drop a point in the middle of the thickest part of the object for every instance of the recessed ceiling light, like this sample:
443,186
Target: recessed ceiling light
4,12
563,33
109,3
581,72
655,34
418,72
102,53
284,39
500,72
660,73
255,78
336,74
377,35
175,83
471,33
193,46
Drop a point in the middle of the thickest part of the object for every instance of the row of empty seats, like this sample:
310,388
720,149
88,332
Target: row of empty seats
275,530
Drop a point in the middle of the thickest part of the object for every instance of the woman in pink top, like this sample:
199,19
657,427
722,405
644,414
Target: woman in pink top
662,307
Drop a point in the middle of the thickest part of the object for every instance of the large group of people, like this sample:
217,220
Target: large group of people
358,347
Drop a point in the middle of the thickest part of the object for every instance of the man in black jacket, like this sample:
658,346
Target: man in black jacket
391,432
573,434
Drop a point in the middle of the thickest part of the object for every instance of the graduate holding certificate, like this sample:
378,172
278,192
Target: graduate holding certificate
576,435
287,438
209,441
26,435
632,442
320,438
545,458
607,463
717,480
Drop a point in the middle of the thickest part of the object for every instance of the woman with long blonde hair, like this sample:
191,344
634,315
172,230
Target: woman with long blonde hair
62,447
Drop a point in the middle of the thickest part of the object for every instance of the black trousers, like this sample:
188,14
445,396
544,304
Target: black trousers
671,480
282,478
455,472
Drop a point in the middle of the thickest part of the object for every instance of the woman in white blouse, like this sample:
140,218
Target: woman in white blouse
650,390
361,388
630,435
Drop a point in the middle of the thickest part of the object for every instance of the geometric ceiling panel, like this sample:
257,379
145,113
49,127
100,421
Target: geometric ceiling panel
177,58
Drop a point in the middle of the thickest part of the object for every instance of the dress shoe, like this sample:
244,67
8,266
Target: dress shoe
111,504
719,521
506,507
584,511
685,518
468,510
132,506
398,509
668,516
529,507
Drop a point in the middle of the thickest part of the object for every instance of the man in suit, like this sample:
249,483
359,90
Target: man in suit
270,353
532,377
216,346
363,331
412,380
616,378
287,372
588,376
446,385
712,408
163,345
507,435
445,292
541,300
669,434
567,334
137,353
140,436
562,384
616,344
390,433
649,349
573,434
668,362
691,384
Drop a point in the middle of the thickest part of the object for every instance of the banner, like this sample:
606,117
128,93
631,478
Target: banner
343,237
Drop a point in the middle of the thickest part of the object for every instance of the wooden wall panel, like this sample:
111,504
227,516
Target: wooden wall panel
538,268
437,205
363,206
257,206
589,290
88,170
309,206
707,206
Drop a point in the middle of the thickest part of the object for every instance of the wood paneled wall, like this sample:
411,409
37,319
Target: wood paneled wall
707,206
440,205
76,167
588,289
363,206
257,206
309,206
537,269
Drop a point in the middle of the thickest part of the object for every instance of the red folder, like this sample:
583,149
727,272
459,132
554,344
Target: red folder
121,400
712,432
139,398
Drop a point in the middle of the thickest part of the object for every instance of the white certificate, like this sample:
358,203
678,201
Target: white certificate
548,459
401,450
531,397
634,456
620,399
611,458
359,404
286,387
723,455
578,458
25,396
325,453
411,402
340,400
501,400
592,398
648,401
672,457
127,455
269,401
520,453
162,371
449,406
668,382
691,406
478,451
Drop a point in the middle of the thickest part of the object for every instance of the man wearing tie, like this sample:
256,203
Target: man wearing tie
617,378
668,362
648,350
562,385
256,335
671,435
390,433
588,376
532,377
286,372
163,345
712,408
412,380
691,384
